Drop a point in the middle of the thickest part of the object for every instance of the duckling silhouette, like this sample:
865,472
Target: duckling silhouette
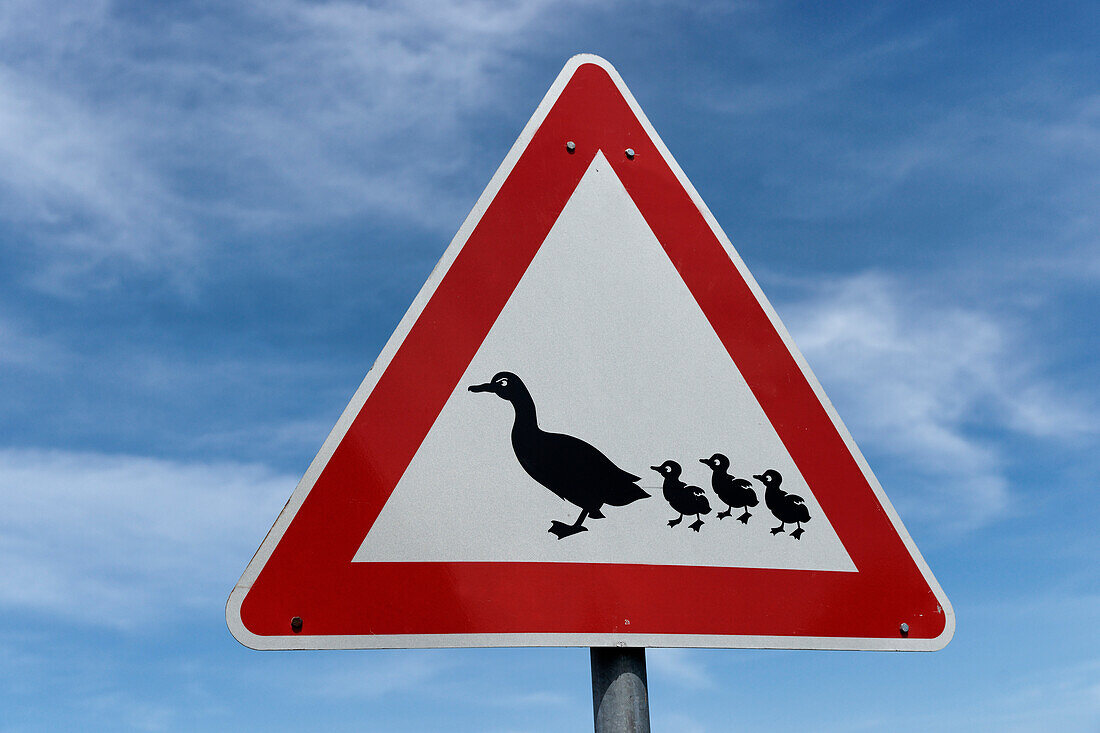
568,466
681,497
786,507
736,492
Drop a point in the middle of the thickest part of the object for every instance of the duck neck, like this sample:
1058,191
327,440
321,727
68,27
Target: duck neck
525,413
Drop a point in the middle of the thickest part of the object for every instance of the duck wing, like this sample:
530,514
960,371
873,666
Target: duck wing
747,496
584,458
699,502
795,510
577,471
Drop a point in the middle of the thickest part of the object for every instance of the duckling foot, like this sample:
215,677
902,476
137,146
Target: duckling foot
744,518
723,515
777,530
696,524
674,522
561,530
797,534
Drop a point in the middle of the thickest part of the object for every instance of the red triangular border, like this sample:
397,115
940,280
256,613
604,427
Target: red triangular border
304,567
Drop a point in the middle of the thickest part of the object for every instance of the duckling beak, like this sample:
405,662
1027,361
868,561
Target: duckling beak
656,468
487,387
704,460
758,476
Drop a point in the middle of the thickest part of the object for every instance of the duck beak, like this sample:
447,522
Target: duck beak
704,460
656,468
487,387
758,476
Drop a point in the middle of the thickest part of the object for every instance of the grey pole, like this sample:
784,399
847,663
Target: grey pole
620,700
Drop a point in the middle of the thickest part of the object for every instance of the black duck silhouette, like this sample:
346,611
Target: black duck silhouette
736,492
568,466
681,497
787,508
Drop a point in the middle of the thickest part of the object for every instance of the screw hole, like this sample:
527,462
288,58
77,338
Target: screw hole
296,624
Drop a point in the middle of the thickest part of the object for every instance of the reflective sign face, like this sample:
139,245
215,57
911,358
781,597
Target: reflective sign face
599,371
590,428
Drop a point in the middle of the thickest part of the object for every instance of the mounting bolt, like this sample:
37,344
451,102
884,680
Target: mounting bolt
571,146
630,153
296,624
904,629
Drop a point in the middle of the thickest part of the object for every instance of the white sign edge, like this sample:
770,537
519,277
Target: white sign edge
421,641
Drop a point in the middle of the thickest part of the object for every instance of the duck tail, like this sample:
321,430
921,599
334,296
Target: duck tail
625,494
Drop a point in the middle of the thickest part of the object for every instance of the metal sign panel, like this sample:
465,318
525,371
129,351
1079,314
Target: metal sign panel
589,429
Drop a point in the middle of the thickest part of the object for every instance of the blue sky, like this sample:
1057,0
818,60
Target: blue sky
212,217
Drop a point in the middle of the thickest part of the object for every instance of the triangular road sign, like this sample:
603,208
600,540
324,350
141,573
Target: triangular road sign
589,429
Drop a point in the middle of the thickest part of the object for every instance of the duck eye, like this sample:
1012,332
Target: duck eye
503,382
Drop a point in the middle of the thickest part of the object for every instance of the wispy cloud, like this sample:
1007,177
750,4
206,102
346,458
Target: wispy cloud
538,698
681,667
928,383
843,58
1008,167
1052,698
677,722
118,541
136,137
22,350
1074,687
382,675
75,187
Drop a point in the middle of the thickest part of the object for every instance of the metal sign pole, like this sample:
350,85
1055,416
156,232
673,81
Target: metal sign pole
620,698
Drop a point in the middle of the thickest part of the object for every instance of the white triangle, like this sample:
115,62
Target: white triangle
613,348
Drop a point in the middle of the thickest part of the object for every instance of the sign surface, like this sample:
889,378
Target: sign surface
589,429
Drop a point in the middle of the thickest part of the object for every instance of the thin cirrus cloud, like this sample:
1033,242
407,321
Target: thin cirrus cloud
161,130
681,667
123,541
22,349
1008,166
71,185
1037,697
913,379
382,675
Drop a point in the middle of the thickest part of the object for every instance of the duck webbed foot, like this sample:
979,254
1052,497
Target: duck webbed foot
696,524
728,512
561,530
744,518
797,534
777,530
674,522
